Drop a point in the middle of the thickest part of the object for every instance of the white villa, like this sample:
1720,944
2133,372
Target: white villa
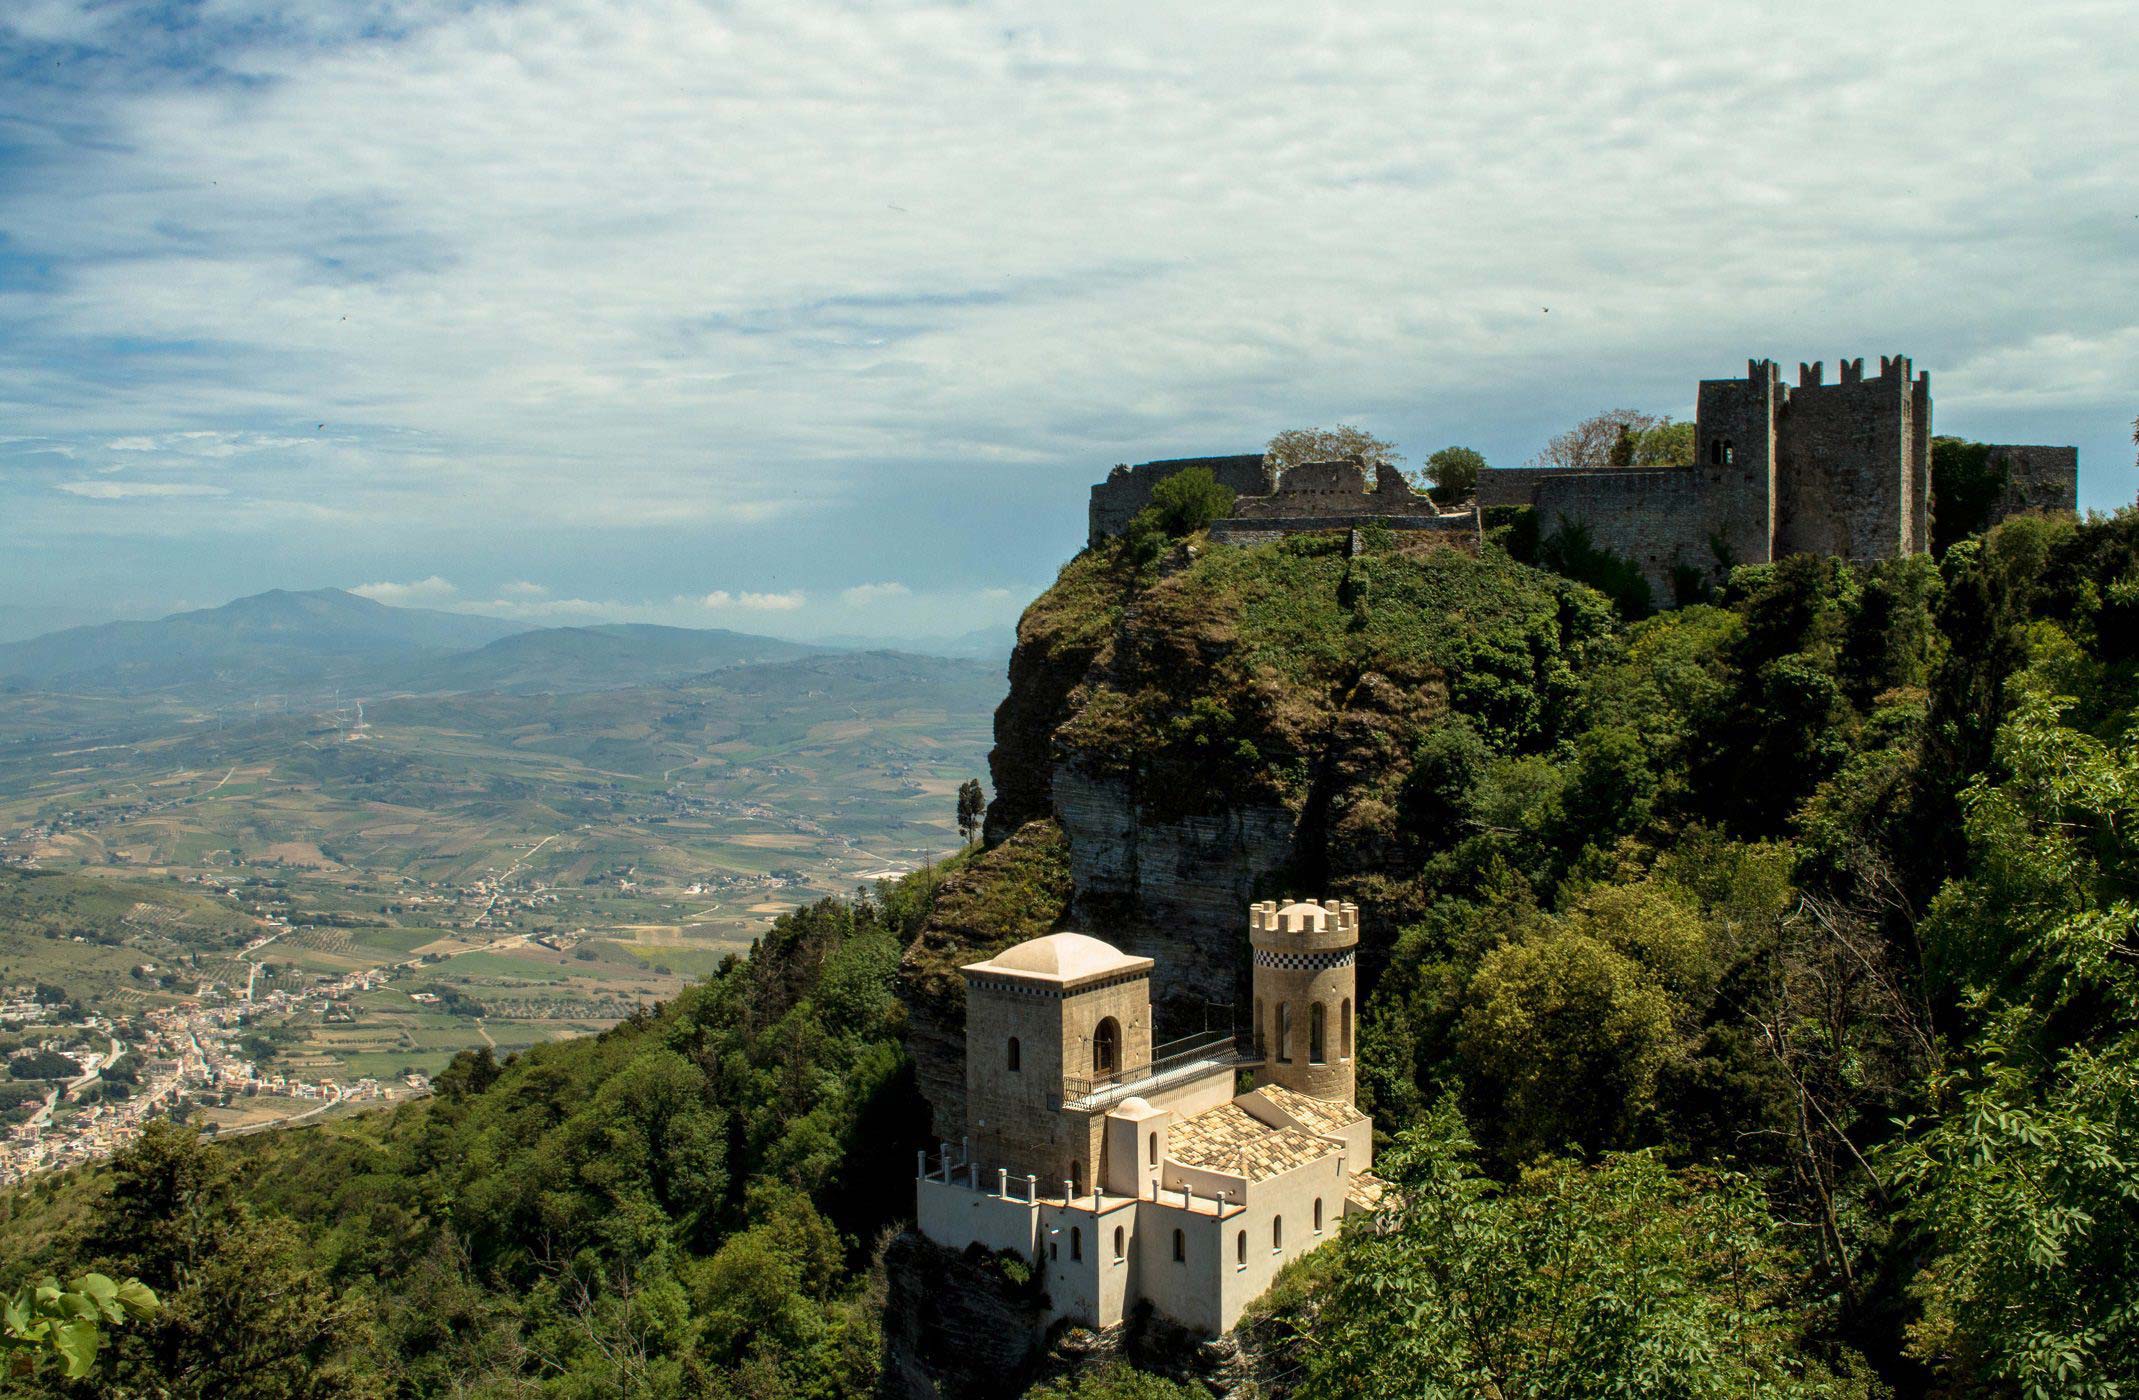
1129,1173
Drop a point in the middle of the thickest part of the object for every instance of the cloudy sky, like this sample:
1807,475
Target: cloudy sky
820,318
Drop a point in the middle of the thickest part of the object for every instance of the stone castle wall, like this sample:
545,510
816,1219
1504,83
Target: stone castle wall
1841,469
1127,489
2036,479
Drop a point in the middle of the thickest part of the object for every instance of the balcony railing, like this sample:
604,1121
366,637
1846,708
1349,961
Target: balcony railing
1175,1060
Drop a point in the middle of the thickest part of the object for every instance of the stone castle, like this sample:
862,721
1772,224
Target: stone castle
1129,1172
1840,469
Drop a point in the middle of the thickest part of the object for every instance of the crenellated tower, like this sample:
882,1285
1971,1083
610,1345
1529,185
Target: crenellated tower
1306,985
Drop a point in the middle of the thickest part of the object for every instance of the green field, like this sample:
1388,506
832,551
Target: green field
649,833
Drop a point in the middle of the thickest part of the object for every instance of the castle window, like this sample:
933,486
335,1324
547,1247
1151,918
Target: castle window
1715,452
1106,1047
1277,1233
1318,1215
1284,1032
1076,1242
1315,1038
1119,1243
1014,1059
1240,1251
1076,1178
1344,1027
1154,1149
1180,1248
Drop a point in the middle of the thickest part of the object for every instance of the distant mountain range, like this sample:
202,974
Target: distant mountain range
329,641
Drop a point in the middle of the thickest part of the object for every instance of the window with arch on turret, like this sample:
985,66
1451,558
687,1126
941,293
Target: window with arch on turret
1318,1215
1316,1038
1013,1058
1106,1047
1277,1233
1154,1149
1240,1251
1120,1245
1344,1028
1284,1032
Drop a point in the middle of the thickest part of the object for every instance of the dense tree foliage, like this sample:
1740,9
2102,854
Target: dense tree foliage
1752,1011
688,1204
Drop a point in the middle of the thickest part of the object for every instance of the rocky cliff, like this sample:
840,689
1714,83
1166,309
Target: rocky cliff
1227,724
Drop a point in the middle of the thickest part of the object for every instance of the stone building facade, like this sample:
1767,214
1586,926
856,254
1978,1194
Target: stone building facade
1840,469
1129,1172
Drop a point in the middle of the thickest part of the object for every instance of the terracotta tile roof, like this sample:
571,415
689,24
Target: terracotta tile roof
1228,1139
1365,1190
1315,1115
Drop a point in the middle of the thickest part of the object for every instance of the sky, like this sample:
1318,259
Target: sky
817,318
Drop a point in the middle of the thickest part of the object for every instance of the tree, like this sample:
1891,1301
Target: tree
1571,1021
1182,504
1188,501
42,1320
1339,444
1454,471
972,809
1625,1278
1594,441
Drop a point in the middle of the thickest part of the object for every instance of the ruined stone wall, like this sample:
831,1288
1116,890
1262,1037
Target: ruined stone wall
2045,479
1127,489
1655,516
1457,530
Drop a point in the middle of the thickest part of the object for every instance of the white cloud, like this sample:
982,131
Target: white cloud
424,590
521,588
123,490
670,266
753,602
862,595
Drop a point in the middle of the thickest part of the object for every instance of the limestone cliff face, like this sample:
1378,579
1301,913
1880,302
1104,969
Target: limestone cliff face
1228,725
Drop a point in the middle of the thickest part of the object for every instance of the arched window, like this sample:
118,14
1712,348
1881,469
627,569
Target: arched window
1316,1038
1260,1052
1277,1233
1076,1242
1106,1047
1076,1178
1154,1149
1284,1032
1344,1027
1715,452
1118,1244
1013,1057
1180,1248
1240,1251
1318,1215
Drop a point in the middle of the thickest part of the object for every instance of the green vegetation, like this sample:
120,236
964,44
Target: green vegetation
1965,485
1453,472
1180,505
43,1321
1753,1013
687,1204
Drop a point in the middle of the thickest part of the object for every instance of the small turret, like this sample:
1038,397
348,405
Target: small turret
1306,957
